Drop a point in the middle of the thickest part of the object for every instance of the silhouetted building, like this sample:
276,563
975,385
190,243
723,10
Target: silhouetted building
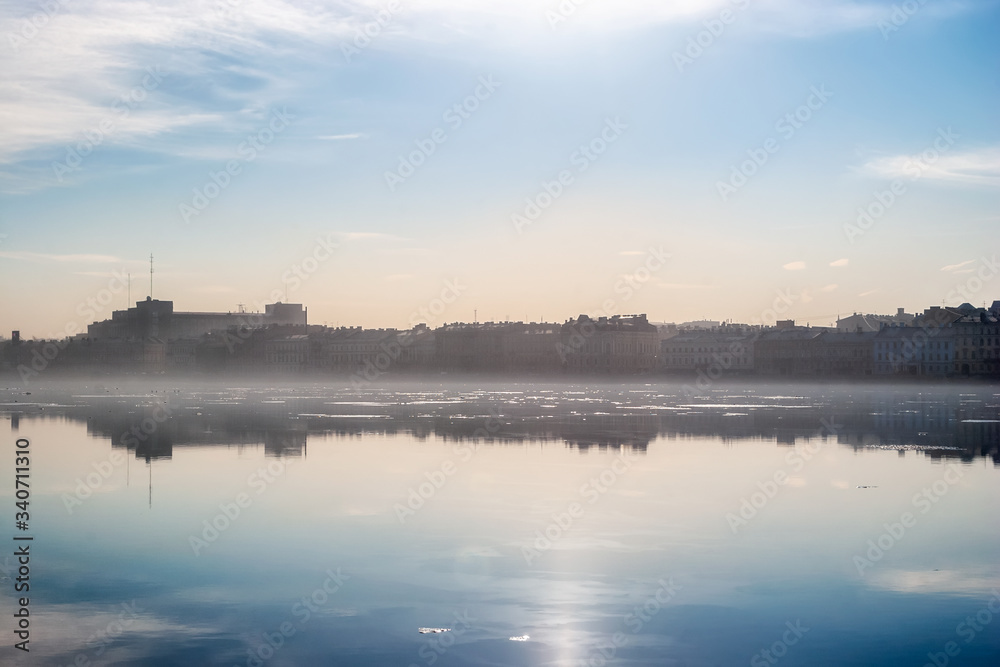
152,338
618,344
728,347
498,346
859,322
352,349
157,319
915,351
417,348
813,352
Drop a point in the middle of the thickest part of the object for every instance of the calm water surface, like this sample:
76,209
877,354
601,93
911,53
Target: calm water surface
540,524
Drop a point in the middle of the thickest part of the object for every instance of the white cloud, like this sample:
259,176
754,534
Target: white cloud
976,167
683,286
794,17
62,79
953,267
341,137
794,266
840,262
79,259
829,288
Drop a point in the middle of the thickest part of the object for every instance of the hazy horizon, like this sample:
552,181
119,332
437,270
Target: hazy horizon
243,141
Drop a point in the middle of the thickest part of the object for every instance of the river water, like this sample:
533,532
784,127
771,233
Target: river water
532,523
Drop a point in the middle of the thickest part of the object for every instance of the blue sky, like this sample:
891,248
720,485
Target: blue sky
197,79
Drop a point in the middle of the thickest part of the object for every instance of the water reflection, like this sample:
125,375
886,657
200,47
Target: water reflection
942,422
649,573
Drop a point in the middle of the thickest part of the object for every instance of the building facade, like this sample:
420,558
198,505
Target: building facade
506,347
727,347
621,344
157,319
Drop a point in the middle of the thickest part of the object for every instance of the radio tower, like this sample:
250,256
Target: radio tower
150,275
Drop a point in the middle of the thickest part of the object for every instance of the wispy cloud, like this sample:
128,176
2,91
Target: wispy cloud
978,167
799,18
829,288
794,266
66,77
342,137
840,262
683,286
79,259
953,267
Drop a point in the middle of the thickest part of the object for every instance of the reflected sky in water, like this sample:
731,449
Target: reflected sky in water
638,524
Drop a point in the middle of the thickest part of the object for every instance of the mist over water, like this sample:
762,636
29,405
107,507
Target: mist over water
538,523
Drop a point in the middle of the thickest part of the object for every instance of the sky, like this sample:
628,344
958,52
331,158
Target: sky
385,163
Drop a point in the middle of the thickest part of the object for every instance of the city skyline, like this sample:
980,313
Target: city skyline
120,296
542,158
